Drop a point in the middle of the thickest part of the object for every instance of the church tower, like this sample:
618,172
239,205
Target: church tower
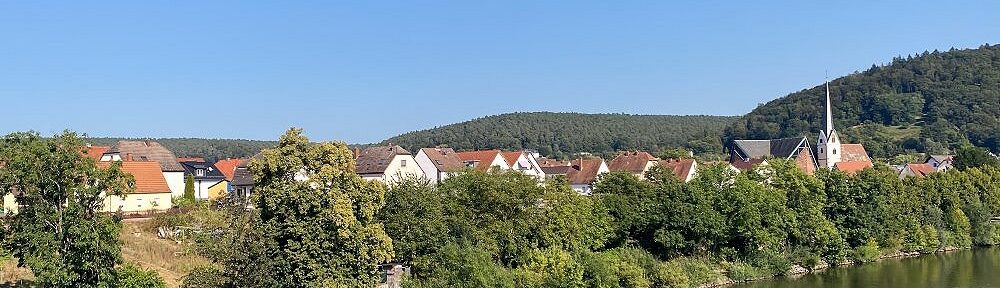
828,147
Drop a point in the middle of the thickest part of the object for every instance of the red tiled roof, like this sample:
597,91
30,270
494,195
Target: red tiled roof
851,167
511,157
584,171
921,170
445,159
228,167
633,162
805,162
483,159
853,152
680,167
148,176
95,152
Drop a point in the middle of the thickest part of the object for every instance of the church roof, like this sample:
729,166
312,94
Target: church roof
853,152
784,148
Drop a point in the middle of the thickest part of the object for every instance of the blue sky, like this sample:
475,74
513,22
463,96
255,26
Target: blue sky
361,71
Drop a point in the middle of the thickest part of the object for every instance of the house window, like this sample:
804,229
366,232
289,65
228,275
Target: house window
402,163
834,151
821,150
199,172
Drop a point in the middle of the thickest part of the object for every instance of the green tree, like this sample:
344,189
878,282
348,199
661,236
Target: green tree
131,276
414,218
59,230
189,188
970,157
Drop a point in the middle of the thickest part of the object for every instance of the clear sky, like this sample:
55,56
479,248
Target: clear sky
361,71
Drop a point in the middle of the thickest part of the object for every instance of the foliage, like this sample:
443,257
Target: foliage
59,230
932,91
971,157
562,134
189,189
131,276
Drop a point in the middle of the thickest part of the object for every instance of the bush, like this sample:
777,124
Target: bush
699,270
867,253
204,277
670,274
740,271
131,276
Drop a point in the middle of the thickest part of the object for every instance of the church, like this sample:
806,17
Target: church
830,152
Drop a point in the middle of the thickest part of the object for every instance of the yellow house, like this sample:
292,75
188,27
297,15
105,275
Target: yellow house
218,190
151,189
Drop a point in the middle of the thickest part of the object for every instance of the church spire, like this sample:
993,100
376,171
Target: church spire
829,112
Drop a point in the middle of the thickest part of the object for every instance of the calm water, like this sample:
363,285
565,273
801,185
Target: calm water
969,268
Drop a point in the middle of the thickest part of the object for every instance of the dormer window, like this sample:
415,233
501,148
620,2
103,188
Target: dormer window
199,172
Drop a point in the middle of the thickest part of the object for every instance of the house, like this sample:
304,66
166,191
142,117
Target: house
228,168
209,182
684,169
151,190
243,182
745,154
438,163
484,160
583,173
95,152
919,170
524,162
636,163
147,150
941,163
852,167
387,164
545,162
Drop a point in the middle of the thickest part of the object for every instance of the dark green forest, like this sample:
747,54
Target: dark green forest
931,102
210,149
560,134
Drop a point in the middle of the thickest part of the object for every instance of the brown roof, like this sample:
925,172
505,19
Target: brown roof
228,167
511,157
921,170
746,165
851,167
805,161
375,160
95,152
853,152
148,176
445,159
633,162
584,171
482,159
190,159
545,162
556,170
680,167
148,151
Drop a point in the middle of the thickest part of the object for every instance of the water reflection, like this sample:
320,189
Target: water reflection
970,268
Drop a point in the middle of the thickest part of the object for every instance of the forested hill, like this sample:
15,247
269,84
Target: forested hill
210,149
559,134
931,102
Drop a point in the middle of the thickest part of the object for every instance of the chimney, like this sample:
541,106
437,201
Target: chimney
128,157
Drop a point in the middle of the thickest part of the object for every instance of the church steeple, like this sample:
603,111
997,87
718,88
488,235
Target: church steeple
828,147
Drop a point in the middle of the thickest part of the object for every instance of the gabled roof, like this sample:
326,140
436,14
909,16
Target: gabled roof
853,152
784,148
148,151
556,170
851,167
511,157
633,162
920,170
190,159
95,152
211,173
545,162
241,175
374,160
681,167
148,176
228,167
941,158
480,159
584,171
444,159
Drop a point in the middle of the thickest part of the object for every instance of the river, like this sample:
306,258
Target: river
958,269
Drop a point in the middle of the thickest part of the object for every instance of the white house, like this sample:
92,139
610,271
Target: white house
523,162
484,160
941,163
580,173
438,163
387,164
206,178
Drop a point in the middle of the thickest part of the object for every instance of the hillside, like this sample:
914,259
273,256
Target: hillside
210,149
560,134
930,102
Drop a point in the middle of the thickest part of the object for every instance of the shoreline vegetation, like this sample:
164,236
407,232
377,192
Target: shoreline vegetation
315,222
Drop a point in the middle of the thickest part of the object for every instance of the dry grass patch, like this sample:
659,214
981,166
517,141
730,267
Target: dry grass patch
171,260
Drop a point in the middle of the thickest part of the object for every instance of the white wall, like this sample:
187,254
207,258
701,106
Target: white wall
402,166
428,168
201,188
175,180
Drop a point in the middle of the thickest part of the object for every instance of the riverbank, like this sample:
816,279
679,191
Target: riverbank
797,271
